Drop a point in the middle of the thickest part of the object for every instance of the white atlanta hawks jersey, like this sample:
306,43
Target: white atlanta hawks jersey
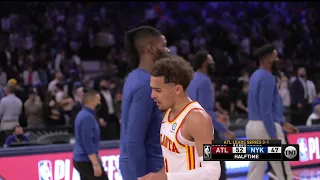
179,153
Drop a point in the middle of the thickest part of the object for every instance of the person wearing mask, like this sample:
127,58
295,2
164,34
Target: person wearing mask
33,110
200,89
86,158
10,109
110,127
302,94
16,137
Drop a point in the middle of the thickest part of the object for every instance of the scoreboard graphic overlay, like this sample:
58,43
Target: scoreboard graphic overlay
250,150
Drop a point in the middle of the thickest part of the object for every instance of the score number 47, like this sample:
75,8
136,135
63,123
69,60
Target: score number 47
274,150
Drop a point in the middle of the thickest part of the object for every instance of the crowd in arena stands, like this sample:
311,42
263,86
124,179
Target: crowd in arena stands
43,44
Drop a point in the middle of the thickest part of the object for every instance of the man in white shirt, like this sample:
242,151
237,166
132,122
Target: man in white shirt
314,118
53,83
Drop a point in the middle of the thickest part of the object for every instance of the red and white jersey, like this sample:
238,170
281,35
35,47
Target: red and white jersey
179,154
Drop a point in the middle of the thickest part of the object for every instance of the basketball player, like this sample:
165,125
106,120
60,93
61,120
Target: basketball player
265,112
140,150
186,126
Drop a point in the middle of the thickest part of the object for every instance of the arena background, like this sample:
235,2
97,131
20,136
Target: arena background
217,22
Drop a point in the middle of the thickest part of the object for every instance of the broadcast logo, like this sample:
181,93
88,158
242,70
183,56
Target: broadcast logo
303,149
45,170
291,152
207,152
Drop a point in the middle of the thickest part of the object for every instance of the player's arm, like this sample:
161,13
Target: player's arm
266,100
199,126
205,99
138,120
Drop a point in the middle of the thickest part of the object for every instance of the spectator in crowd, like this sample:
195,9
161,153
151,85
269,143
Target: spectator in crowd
78,102
118,102
53,83
302,94
284,92
16,137
244,77
31,77
59,93
66,105
314,118
33,110
59,62
316,101
110,127
224,104
10,109
3,78
241,102
53,115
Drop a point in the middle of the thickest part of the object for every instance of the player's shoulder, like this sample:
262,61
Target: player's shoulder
261,75
198,116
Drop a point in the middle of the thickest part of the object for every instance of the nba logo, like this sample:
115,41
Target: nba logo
207,152
303,149
45,170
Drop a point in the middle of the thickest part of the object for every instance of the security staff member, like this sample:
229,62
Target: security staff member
87,138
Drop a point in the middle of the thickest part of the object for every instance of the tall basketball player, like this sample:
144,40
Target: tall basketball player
140,150
186,126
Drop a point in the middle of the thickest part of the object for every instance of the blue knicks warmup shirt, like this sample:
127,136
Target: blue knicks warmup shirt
201,90
140,126
262,100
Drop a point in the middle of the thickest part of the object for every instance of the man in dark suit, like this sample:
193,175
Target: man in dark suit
299,99
109,123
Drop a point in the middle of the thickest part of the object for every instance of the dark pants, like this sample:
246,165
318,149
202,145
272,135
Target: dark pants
85,170
112,130
223,175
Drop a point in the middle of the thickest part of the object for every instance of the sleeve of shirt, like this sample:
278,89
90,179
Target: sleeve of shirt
2,102
265,101
140,113
205,91
87,134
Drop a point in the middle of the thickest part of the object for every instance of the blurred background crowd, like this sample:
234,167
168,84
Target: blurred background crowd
46,49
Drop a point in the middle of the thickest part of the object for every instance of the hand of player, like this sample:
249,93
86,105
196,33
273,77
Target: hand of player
102,122
299,105
144,177
97,170
160,175
289,128
229,135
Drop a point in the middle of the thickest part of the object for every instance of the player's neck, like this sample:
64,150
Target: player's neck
146,63
180,105
203,71
262,66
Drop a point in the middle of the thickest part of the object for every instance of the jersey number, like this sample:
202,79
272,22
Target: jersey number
166,165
